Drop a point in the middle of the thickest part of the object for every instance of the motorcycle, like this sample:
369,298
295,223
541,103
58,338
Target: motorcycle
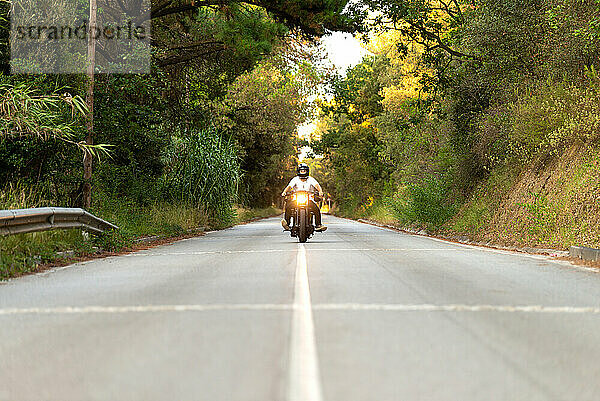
303,226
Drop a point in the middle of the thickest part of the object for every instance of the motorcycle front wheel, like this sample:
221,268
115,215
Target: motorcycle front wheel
302,233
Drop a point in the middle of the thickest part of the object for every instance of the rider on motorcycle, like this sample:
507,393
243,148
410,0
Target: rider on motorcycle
303,182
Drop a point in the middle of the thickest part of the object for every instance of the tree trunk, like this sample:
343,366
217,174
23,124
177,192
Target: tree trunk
87,158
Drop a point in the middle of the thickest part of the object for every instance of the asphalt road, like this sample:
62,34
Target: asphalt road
359,313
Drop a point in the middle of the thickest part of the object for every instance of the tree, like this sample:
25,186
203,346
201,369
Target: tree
348,139
264,107
430,23
89,100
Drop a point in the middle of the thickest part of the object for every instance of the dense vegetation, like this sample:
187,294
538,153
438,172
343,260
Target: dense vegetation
210,132
474,117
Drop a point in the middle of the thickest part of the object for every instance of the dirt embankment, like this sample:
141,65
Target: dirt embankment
549,204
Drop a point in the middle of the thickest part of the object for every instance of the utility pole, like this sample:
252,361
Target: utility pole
89,140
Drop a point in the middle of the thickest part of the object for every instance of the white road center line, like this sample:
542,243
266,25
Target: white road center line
304,383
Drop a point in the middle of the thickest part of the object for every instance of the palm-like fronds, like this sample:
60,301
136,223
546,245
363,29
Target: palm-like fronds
23,112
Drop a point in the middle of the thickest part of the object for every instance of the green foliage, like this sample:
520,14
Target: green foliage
18,195
264,108
352,155
382,210
23,253
357,95
478,209
542,218
247,30
425,203
129,114
430,23
560,115
27,112
111,241
229,38
243,214
4,37
349,141
158,218
473,218
539,125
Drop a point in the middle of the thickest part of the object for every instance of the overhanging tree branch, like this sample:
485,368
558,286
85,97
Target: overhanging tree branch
178,59
428,37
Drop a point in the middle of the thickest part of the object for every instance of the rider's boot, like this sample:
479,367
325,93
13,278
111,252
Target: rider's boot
285,225
320,228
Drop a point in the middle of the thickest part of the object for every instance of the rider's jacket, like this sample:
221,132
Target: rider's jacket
297,184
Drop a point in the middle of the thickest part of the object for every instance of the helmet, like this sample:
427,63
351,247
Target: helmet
303,170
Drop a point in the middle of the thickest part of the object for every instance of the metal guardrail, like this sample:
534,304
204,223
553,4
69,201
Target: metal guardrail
18,221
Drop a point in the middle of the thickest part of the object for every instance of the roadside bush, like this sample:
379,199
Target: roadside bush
424,203
112,240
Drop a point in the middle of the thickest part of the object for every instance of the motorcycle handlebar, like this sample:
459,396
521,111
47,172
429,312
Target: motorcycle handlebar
293,192
318,198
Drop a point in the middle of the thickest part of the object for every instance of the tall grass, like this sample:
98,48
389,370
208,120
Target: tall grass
18,195
202,169
158,218
23,253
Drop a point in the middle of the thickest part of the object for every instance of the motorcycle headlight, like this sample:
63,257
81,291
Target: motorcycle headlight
301,199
